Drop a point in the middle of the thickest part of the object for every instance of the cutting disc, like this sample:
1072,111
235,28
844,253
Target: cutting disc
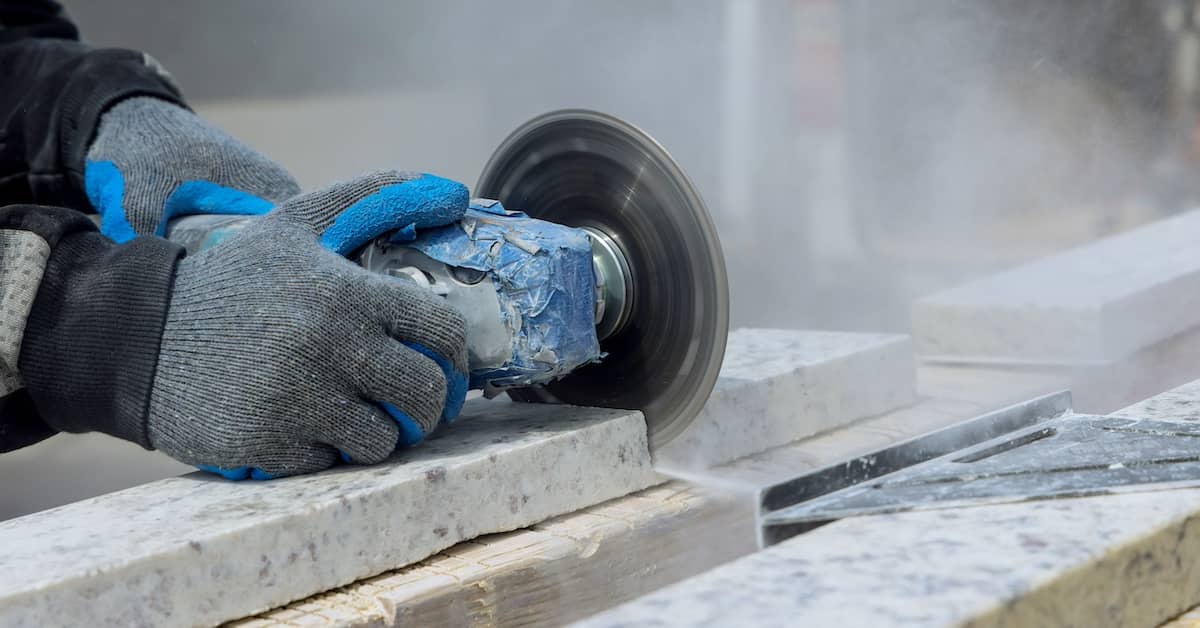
591,170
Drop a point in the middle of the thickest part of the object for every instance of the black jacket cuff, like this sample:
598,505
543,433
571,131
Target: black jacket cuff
91,343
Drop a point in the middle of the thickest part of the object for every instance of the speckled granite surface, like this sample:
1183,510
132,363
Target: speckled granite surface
563,569
779,386
1127,560
198,550
1117,560
1178,404
1093,304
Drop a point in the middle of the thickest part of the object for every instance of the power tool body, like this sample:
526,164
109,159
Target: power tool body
608,288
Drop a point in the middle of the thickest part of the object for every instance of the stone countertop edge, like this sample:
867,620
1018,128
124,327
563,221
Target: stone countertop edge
198,550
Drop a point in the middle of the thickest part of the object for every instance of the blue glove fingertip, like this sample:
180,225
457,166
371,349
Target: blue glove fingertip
456,382
456,396
420,203
259,474
237,473
437,201
105,189
410,431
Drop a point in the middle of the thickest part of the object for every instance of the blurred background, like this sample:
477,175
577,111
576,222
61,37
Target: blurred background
854,154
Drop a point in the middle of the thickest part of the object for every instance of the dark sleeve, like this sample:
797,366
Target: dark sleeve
81,317
22,19
81,325
52,93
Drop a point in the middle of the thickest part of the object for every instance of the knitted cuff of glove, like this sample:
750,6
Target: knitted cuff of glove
92,340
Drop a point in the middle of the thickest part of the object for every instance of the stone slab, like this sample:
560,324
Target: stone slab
1127,560
1178,404
1103,389
585,562
1092,304
198,550
1097,389
779,386
571,585
1118,560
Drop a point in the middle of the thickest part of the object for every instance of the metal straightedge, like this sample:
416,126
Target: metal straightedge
1052,456
782,498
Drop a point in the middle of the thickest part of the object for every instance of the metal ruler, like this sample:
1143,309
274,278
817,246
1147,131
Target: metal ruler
1042,452
1050,454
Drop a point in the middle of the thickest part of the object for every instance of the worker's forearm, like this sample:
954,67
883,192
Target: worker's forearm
52,96
80,326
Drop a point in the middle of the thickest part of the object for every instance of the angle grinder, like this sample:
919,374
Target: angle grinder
607,288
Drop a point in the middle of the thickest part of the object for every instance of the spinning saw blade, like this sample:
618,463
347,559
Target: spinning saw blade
664,330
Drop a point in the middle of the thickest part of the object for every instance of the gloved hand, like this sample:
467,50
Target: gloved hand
152,161
278,353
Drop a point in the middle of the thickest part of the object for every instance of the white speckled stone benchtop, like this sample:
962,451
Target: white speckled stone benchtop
1093,304
776,384
200,550
1118,560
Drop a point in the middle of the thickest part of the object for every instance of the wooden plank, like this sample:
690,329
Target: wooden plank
558,571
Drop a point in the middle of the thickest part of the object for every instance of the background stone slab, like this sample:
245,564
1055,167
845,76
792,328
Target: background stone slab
778,386
1093,304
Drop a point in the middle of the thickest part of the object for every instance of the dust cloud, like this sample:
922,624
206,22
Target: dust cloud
854,154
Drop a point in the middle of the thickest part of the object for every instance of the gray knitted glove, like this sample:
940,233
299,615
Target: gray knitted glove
152,161
278,353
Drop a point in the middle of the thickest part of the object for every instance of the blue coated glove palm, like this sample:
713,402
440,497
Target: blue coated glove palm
279,356
153,161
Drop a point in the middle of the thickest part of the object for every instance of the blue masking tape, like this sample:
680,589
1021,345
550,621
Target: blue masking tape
543,272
